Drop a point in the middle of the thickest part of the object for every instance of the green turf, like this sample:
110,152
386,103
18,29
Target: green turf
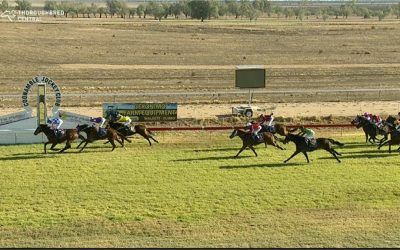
188,191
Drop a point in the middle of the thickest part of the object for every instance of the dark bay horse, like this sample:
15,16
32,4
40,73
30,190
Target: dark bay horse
248,140
302,146
390,127
137,129
370,129
69,135
93,135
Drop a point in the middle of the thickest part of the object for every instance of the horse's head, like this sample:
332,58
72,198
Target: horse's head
38,130
358,121
288,138
234,133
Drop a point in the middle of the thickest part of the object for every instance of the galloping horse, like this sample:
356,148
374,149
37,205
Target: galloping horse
390,127
302,147
68,135
371,130
93,135
248,140
137,129
278,128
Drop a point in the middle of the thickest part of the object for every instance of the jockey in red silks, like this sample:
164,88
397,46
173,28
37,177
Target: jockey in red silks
266,119
368,116
254,127
377,120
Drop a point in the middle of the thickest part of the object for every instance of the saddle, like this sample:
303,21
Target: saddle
102,132
266,128
259,138
59,133
311,144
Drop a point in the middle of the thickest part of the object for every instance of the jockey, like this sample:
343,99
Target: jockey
308,134
55,123
97,122
368,116
377,120
255,127
125,120
267,119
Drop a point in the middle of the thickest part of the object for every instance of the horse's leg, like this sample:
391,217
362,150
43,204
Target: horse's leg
293,155
84,146
336,152
121,142
53,145
390,147
334,155
252,148
153,138
147,138
366,137
84,140
240,151
383,144
277,145
67,146
45,145
305,154
113,144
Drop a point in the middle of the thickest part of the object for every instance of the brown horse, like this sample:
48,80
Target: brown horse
302,146
69,135
93,135
278,128
137,129
249,141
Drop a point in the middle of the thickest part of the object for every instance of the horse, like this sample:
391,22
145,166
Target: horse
93,135
302,146
137,129
249,141
278,128
390,127
69,135
370,129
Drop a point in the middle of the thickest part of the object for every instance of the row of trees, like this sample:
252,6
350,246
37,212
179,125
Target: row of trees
207,9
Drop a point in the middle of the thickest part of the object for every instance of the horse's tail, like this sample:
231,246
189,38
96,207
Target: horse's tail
336,142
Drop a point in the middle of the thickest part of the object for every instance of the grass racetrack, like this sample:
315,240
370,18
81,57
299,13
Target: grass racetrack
188,191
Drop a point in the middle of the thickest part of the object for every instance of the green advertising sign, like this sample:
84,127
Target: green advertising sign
143,112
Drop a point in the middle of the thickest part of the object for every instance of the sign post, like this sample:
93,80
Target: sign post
41,104
248,77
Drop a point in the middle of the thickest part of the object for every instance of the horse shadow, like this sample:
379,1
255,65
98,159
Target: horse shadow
215,149
262,165
27,156
214,158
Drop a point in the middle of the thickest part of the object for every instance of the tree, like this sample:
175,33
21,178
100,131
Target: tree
149,10
158,11
176,9
199,9
140,10
222,9
233,7
185,7
102,11
247,9
113,6
4,5
23,5
50,5
213,9
93,9
397,11
123,9
132,12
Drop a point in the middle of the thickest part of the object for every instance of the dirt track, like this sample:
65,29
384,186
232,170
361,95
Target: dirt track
280,109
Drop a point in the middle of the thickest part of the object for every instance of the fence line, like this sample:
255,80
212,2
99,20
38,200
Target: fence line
217,93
